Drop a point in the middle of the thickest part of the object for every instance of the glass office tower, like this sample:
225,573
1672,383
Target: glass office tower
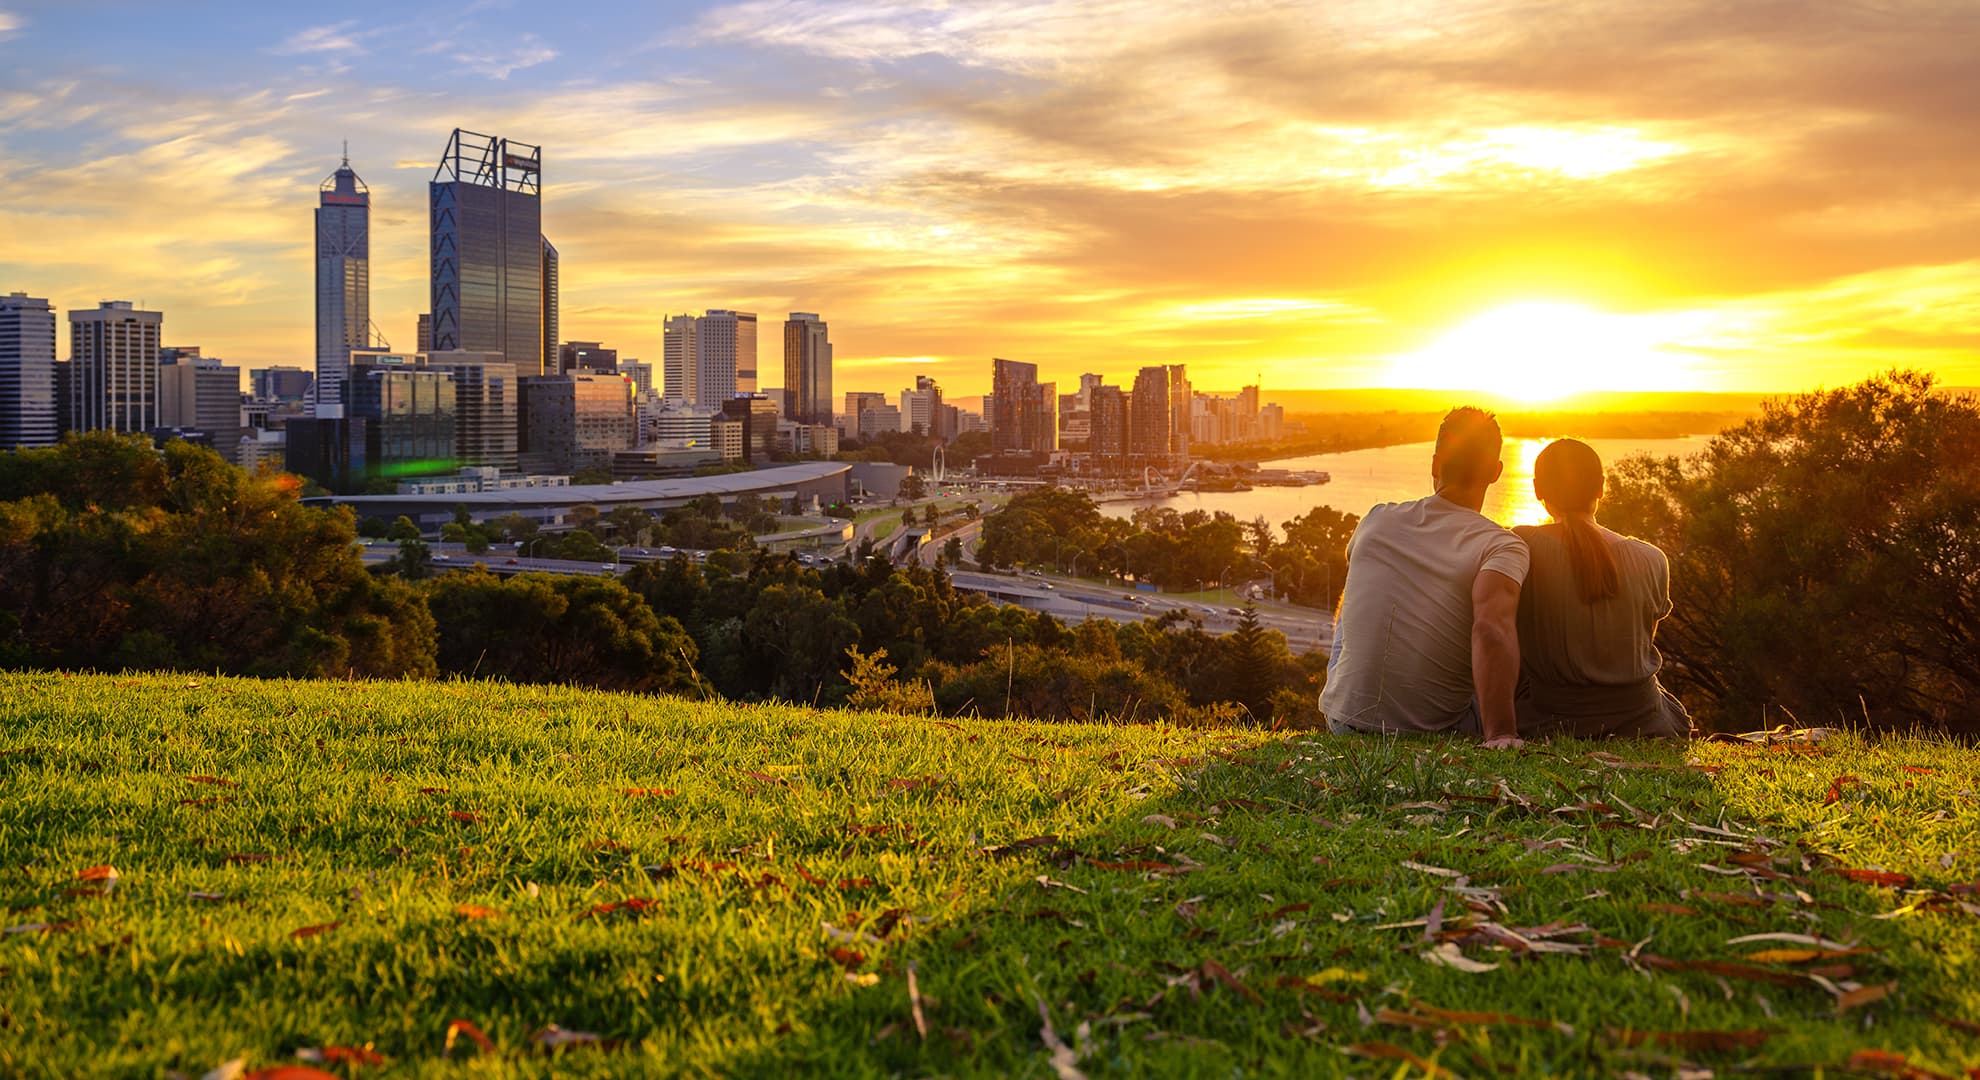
487,251
343,279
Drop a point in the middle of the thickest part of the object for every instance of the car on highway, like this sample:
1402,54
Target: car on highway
1234,611
512,562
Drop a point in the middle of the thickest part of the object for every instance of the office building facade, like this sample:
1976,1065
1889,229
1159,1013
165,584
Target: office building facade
487,257
113,368
725,349
403,413
576,356
808,369
758,416
28,397
575,421
282,383
343,277
199,393
551,274
680,363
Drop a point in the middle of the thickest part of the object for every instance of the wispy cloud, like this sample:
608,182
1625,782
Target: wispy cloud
501,64
330,38
9,24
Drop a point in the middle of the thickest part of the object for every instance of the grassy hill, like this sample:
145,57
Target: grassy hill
609,885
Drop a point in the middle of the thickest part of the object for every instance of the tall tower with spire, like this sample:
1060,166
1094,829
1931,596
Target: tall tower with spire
343,281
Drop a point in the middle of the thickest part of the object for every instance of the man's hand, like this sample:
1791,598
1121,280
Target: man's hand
1495,655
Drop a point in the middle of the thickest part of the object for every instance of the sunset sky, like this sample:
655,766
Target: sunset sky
1760,195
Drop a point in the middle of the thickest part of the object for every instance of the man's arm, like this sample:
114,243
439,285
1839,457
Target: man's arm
1495,655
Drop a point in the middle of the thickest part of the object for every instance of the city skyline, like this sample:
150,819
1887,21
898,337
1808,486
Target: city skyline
1354,195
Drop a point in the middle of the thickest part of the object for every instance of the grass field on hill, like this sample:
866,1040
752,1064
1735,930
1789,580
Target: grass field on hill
609,885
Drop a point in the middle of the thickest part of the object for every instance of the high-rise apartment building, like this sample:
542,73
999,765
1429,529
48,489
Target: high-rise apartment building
199,393
1150,416
343,277
113,368
921,408
1107,416
1179,411
27,372
425,335
680,363
1023,411
808,369
575,356
758,417
640,373
487,255
725,349
550,304
575,421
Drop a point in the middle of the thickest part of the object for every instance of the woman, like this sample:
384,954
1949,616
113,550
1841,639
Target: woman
1588,613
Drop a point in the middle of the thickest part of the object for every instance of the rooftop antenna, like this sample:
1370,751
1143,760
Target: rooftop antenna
347,153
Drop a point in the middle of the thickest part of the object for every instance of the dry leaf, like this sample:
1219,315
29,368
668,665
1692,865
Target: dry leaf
357,1055
290,1072
1393,1052
1694,1040
464,815
476,911
227,1070
210,897
1867,995
312,931
1222,974
648,792
1450,956
1877,877
212,780
241,858
1163,820
464,1027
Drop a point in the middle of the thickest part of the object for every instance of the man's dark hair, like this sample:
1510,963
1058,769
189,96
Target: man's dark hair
1469,442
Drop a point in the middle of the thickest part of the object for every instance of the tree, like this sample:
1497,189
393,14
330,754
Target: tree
952,550
873,686
913,487
561,628
415,560
115,555
403,529
1824,559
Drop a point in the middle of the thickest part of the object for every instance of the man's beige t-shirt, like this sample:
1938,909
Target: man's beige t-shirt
1402,642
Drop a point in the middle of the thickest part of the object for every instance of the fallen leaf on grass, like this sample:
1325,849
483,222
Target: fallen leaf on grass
1800,956
865,978
1920,770
1957,1024
1668,909
847,958
312,931
1694,1040
210,897
1864,995
999,850
357,1055
212,780
553,1037
242,858
476,911
1809,940
227,1070
849,884
636,903
1136,866
1045,882
1439,871
1890,1063
1163,820
465,816
1222,974
433,791
648,792
1064,1059
458,1028
1392,1052
1450,956
290,1072
913,782
1428,1017
1836,789
1726,968
914,1004
1877,877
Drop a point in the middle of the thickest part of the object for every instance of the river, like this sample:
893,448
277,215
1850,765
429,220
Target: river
1362,478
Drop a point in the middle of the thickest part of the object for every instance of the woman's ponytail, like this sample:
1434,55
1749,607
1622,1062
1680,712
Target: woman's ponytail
1568,475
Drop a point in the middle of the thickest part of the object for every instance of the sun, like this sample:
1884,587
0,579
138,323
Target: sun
1541,350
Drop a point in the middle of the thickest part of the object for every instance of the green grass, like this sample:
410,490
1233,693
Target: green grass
1211,903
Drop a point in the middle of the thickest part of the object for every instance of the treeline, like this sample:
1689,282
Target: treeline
1065,531
115,556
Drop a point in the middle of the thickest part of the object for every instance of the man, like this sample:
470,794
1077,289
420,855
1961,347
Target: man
1426,637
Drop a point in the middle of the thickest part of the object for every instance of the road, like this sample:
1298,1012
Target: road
1072,600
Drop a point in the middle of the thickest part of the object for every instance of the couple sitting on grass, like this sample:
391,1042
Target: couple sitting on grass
1450,624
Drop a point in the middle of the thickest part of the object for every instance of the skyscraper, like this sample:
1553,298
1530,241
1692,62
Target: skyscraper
1023,411
486,395
343,277
921,408
27,372
808,368
1149,416
113,369
680,364
574,356
1180,401
487,250
726,355
550,301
